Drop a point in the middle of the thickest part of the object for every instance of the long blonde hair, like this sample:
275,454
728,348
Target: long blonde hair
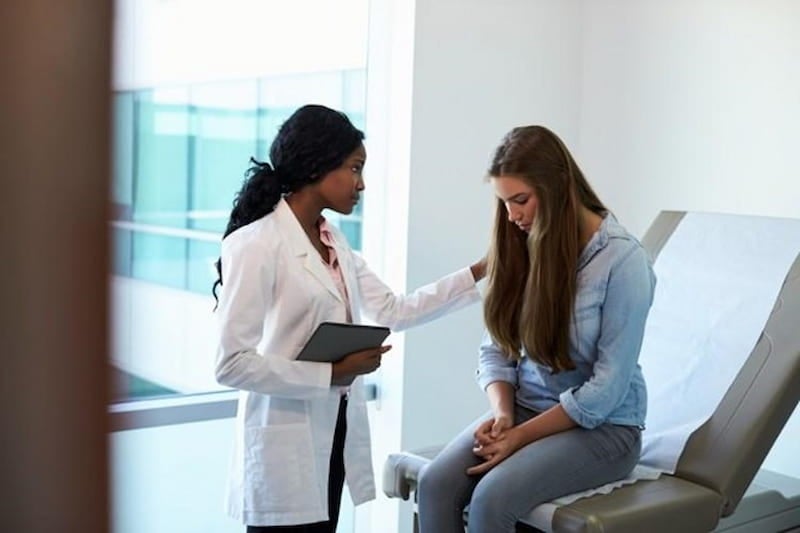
532,279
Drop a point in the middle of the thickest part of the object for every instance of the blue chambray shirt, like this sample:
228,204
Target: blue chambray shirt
614,292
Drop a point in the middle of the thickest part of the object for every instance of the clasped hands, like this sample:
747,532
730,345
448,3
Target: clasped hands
495,439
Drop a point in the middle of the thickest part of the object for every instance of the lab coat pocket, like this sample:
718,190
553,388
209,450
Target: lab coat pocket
279,469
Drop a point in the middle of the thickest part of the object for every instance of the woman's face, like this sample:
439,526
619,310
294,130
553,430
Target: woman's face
519,199
341,188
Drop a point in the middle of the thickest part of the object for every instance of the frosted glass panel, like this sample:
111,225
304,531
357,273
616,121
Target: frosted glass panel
171,479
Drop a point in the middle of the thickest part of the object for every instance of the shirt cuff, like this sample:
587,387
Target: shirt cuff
578,414
486,377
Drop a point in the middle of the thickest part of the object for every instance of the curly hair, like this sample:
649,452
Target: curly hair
313,141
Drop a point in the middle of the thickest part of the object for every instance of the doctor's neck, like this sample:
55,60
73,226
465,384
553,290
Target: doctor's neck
307,207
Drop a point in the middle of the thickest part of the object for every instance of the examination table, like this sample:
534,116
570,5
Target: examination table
718,470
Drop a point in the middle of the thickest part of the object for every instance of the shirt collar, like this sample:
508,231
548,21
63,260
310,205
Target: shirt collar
598,241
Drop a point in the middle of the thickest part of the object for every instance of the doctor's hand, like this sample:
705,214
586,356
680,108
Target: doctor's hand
357,363
479,269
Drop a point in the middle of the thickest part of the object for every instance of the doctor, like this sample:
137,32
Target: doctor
284,269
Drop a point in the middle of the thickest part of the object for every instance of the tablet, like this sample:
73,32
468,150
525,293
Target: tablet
333,340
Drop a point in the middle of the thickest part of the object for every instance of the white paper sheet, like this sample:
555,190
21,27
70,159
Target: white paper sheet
718,279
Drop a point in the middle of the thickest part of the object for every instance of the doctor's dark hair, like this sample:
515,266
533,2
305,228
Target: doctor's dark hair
537,315
313,141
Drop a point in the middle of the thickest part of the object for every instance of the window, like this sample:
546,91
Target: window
181,154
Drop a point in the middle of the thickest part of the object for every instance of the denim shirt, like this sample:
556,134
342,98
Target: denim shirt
615,287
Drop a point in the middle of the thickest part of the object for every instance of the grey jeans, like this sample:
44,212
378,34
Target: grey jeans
567,462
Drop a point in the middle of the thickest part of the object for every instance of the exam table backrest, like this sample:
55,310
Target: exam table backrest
725,453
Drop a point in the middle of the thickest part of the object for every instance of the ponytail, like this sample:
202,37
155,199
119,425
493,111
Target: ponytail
260,193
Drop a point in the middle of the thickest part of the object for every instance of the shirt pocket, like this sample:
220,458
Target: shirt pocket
279,469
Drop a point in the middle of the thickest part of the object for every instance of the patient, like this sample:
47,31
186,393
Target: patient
568,295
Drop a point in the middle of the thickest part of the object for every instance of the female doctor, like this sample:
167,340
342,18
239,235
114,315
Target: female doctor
284,269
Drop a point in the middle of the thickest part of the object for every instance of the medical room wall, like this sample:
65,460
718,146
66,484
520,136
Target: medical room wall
692,105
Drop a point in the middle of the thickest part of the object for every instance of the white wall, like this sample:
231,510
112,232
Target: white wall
691,105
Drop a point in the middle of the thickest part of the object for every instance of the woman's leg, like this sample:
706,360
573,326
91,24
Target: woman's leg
336,477
445,488
567,462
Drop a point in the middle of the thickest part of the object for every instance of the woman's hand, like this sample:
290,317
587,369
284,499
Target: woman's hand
492,451
492,429
357,363
492,442
496,451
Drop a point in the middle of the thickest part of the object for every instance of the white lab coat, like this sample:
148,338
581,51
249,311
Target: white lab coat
276,291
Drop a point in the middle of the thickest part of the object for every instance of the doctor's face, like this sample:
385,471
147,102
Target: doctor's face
341,188
519,199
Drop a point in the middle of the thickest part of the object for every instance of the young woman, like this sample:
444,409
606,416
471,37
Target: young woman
283,271
568,294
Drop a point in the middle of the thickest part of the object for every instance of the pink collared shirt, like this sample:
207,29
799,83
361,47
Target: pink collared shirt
326,236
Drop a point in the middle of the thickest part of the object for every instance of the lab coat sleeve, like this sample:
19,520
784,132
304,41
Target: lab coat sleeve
249,276
381,304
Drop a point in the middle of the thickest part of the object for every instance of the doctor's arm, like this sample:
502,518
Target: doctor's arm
401,311
247,291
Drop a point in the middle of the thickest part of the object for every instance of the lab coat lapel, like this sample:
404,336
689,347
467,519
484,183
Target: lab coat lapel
301,247
315,267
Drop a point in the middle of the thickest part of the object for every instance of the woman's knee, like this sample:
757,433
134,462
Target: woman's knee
448,471
489,497
434,479
493,507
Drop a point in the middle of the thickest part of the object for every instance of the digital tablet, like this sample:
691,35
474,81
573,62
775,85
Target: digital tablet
333,340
